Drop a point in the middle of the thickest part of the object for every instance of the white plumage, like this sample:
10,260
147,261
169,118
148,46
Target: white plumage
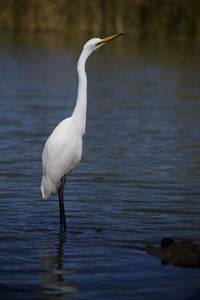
63,149
62,152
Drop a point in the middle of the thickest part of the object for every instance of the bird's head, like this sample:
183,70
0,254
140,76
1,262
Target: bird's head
96,43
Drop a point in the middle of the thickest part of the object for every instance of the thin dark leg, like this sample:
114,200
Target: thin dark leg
61,201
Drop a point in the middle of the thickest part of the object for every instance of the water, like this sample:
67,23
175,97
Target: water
137,183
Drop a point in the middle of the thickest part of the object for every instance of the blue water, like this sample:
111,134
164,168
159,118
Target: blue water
137,183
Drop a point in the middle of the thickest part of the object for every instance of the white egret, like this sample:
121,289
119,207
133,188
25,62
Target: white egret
63,149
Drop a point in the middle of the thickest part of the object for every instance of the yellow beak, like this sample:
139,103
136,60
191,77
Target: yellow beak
107,39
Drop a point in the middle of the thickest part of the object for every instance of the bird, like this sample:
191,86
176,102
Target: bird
63,149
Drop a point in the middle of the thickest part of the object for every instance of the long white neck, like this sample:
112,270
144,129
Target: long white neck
79,113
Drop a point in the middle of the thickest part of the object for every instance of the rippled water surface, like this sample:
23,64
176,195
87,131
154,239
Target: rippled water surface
139,179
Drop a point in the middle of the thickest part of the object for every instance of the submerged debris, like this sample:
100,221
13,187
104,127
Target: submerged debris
183,254
99,229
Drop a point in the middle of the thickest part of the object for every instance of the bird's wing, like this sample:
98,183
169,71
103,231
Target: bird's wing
62,151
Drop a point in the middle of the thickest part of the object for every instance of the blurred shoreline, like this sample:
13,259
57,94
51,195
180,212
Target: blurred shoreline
174,19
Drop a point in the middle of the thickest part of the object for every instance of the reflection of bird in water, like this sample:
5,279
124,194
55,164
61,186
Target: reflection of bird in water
63,149
56,280
182,254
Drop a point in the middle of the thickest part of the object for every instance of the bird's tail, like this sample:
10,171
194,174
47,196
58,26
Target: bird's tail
44,194
47,188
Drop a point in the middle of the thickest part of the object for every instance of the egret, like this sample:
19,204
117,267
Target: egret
63,149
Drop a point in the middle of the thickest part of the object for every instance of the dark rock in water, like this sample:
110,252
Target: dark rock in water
166,242
98,229
182,254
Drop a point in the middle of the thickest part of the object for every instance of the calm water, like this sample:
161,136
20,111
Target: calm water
138,180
